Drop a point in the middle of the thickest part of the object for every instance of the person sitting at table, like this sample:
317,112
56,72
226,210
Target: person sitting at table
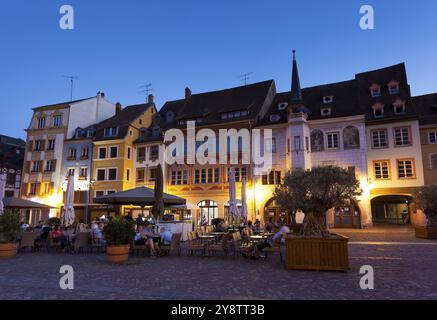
277,238
140,237
221,227
98,234
58,236
144,237
166,236
269,225
257,226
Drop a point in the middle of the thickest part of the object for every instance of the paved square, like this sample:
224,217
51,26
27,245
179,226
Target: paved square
405,268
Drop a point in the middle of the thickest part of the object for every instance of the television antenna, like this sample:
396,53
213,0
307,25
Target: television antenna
245,77
147,89
72,78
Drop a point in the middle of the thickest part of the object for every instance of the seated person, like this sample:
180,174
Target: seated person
98,235
165,236
221,227
58,236
276,239
140,237
257,226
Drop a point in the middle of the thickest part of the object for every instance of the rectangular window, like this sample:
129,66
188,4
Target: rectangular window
154,152
71,154
141,154
432,137
333,140
38,145
402,136
57,121
50,166
140,174
127,174
179,177
111,191
376,92
70,172
197,176
51,144
83,173
47,188
382,169
393,89
129,153
433,158
203,176
379,138
111,132
152,174
216,175
112,174
11,178
41,123
32,190
101,174
297,144
84,153
113,151
102,153
100,193
36,166
406,169
273,178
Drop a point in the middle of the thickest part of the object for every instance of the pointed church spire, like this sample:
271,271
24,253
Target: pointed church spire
296,92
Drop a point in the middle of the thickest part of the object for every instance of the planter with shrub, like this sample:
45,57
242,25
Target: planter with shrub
426,200
119,234
9,232
314,192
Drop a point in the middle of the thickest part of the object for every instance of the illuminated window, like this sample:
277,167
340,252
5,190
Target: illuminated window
379,138
432,137
382,169
406,169
402,136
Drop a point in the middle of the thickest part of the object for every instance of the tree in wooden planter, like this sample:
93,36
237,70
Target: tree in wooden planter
315,192
9,232
118,233
426,200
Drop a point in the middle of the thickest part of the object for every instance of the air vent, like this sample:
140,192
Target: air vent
325,112
328,99
275,117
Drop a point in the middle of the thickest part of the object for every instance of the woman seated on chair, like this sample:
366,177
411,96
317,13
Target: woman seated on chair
144,237
59,237
98,234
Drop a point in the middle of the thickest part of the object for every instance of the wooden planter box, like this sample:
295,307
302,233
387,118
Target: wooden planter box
8,250
330,254
117,254
426,232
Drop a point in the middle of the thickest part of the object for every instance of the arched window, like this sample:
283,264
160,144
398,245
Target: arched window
317,141
351,138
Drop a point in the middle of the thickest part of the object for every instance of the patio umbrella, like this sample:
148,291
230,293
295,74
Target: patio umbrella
158,206
2,191
68,210
233,209
243,199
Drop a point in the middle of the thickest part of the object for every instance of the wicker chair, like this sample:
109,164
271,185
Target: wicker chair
175,244
28,240
240,246
193,245
221,246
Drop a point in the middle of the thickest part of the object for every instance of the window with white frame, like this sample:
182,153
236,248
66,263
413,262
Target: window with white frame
141,154
375,91
36,166
378,110
83,173
433,161
70,172
333,140
379,138
51,144
297,143
154,152
381,169
57,121
84,153
113,152
71,155
99,193
402,136
112,174
111,132
38,145
101,174
399,107
32,190
406,169
41,123
432,136
270,145
129,153
50,166
240,173
102,153
209,175
273,178
393,87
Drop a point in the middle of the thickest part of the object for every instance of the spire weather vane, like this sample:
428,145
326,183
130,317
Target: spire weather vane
72,78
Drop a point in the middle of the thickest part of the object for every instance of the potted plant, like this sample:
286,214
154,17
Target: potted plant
314,192
426,200
54,221
9,231
118,234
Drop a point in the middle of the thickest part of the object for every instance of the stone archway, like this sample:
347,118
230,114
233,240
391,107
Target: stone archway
392,209
275,213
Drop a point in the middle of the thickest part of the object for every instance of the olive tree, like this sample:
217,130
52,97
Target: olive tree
426,200
315,192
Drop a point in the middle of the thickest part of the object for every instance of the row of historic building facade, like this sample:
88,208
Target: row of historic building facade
370,125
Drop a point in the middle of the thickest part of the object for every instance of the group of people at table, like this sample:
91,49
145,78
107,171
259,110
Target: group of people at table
146,235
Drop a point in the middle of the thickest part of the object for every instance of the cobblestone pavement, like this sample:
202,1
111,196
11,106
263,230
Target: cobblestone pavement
405,268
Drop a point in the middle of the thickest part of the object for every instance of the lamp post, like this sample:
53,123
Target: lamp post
88,195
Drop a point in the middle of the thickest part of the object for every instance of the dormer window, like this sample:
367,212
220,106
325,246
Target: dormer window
325,112
111,132
393,87
375,90
378,110
328,99
234,114
399,107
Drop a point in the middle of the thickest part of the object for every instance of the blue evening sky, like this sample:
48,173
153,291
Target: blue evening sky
117,46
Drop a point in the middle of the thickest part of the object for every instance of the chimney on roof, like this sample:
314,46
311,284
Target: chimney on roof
117,107
187,93
150,98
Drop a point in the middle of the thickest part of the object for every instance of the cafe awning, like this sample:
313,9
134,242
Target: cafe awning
18,203
141,196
